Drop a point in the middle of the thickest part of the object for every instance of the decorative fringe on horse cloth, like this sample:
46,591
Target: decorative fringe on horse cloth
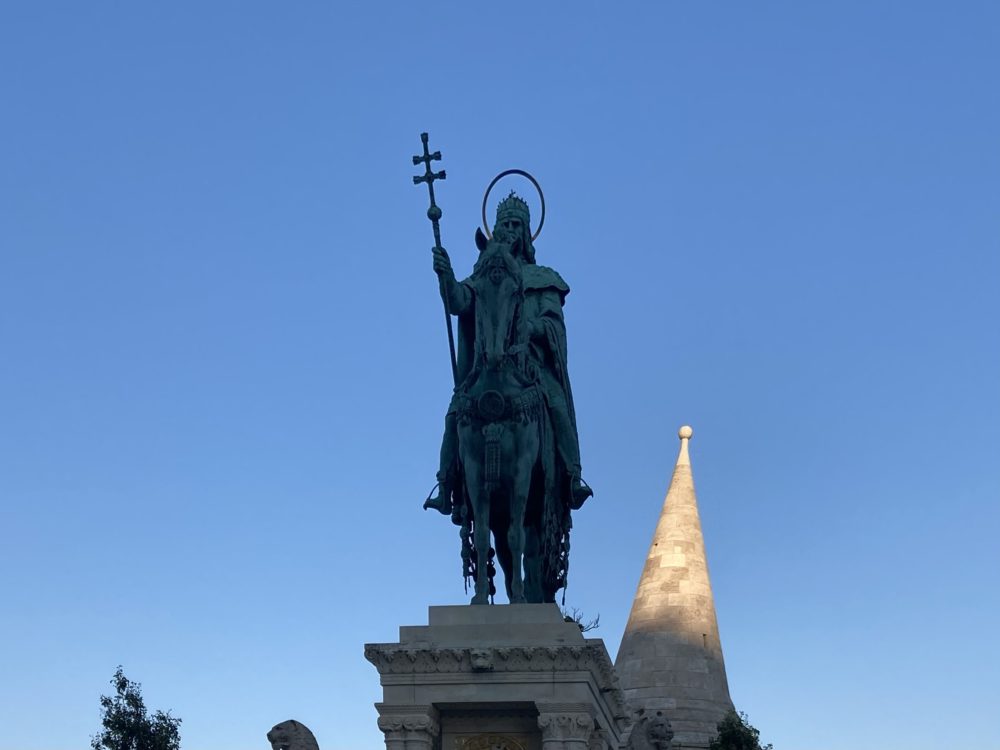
556,521
491,460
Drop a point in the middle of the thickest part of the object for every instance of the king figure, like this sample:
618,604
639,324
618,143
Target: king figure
544,294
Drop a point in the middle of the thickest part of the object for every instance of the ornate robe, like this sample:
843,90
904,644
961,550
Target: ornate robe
544,295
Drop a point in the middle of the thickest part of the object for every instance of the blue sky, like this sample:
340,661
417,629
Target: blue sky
223,371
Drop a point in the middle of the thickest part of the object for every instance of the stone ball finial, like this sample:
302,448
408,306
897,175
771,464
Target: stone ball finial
685,432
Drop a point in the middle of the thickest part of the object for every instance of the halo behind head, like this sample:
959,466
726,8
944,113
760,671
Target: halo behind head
508,205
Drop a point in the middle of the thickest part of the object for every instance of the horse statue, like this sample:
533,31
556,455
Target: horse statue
502,424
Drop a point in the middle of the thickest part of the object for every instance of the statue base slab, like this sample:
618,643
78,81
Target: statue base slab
500,677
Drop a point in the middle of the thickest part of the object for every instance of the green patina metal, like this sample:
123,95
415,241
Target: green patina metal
510,453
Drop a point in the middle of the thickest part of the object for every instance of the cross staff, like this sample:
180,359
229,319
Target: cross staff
434,214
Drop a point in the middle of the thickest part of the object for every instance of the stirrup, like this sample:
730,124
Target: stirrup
584,490
437,502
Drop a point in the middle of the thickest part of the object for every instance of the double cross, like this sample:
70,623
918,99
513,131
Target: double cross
429,175
434,214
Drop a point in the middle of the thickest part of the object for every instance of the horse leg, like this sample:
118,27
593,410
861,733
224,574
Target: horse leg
532,566
515,538
504,558
481,535
480,501
520,487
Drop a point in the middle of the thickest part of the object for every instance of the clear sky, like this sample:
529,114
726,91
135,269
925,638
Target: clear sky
223,369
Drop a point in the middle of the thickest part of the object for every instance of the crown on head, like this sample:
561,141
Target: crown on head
513,206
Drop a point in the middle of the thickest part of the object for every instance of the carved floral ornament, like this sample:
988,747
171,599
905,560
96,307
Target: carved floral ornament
489,742
409,723
574,726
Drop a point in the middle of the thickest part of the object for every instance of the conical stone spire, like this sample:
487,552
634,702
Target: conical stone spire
671,656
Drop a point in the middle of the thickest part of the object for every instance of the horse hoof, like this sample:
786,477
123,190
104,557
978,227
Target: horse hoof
518,600
481,599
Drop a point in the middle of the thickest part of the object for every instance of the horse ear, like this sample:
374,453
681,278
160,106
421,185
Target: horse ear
480,239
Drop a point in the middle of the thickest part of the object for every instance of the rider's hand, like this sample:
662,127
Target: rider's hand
442,263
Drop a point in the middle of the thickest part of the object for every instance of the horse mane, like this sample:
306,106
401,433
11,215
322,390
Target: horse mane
493,250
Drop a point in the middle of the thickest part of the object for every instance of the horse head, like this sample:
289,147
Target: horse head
497,284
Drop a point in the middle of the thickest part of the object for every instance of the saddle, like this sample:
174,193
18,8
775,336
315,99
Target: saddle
493,406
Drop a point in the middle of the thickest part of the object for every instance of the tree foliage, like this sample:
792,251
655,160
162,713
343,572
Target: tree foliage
127,725
736,733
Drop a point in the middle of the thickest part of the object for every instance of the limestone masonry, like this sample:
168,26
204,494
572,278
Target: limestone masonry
515,677
670,655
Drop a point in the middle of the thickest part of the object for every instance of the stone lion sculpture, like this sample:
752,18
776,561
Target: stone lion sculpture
651,731
291,735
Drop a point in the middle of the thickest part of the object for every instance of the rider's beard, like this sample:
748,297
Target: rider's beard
514,239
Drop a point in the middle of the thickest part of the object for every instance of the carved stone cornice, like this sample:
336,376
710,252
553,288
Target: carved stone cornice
391,658
590,656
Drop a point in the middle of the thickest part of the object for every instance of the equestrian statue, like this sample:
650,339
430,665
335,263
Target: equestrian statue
510,456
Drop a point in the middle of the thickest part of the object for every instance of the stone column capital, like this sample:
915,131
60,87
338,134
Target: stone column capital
408,727
404,723
563,726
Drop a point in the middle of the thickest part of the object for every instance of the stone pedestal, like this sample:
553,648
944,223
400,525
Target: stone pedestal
502,677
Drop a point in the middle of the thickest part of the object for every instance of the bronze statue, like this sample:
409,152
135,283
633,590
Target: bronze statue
510,453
